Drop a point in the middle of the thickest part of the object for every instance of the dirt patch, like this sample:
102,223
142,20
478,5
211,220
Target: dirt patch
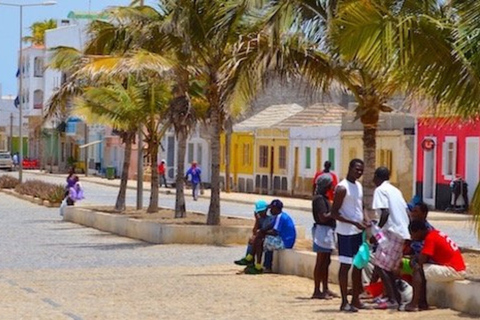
167,216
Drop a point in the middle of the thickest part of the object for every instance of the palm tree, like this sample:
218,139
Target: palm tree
37,38
434,48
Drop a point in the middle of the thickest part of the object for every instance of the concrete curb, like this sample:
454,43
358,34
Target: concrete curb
154,232
158,233
31,199
458,295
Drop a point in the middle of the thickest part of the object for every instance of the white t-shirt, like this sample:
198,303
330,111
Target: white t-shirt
386,196
352,208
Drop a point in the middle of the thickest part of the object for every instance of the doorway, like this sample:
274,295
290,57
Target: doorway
429,181
472,166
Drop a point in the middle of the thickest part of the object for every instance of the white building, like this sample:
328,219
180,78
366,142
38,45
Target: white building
8,121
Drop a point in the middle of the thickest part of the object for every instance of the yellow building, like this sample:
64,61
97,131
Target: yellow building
271,160
241,159
394,147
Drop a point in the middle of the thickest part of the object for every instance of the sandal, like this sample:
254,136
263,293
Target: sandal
362,306
348,308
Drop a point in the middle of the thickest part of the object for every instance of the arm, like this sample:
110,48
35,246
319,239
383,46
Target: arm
319,208
383,217
256,226
340,193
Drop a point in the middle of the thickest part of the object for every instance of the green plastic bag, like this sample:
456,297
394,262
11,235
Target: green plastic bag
362,257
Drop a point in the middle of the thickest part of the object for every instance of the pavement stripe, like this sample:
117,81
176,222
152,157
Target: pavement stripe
51,302
73,316
29,290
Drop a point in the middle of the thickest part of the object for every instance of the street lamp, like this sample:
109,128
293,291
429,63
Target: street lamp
20,82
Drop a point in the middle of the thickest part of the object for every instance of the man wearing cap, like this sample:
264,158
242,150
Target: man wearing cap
282,235
323,234
263,221
161,174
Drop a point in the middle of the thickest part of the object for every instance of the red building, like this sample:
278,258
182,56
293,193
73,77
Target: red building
446,148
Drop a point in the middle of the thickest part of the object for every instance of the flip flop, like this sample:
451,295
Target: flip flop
348,308
362,306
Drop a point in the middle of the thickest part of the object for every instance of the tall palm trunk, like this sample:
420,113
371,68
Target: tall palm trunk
153,205
214,209
369,158
128,138
180,211
228,160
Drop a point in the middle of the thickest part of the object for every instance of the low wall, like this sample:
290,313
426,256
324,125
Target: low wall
154,232
459,295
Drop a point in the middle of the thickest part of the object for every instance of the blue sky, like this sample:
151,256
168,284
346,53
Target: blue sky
9,26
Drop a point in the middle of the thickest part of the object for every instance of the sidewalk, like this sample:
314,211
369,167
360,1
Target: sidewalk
247,198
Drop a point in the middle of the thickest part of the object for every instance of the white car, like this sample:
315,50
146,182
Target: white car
6,161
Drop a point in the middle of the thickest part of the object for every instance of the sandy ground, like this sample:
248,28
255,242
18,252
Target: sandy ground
210,292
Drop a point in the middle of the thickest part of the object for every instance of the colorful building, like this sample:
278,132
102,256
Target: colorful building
314,137
446,149
395,146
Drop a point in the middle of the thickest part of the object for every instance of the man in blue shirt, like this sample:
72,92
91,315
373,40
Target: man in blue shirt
195,173
281,236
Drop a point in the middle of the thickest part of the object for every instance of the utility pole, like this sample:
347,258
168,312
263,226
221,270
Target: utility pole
11,133
140,170
85,152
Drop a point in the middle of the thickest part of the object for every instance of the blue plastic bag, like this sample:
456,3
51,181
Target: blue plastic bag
362,257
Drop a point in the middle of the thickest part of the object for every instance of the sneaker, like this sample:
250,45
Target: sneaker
253,270
243,262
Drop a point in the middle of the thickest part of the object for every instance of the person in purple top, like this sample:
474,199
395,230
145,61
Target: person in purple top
195,172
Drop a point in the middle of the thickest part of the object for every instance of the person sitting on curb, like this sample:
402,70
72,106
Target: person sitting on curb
281,236
448,264
419,212
323,234
263,221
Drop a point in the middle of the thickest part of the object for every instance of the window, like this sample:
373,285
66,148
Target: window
282,157
449,157
385,159
331,157
246,154
38,99
263,157
308,158
199,154
190,152
319,159
38,67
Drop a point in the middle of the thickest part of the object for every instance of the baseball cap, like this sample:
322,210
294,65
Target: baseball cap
276,203
261,205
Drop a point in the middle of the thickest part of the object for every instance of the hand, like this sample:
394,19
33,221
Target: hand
360,225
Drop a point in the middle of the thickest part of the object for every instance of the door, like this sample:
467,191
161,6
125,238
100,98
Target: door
429,181
295,170
472,164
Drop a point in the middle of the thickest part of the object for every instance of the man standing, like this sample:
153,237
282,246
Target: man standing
326,169
161,174
15,161
195,173
347,209
392,209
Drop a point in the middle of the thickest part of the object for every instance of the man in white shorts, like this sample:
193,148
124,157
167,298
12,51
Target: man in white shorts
347,209
448,264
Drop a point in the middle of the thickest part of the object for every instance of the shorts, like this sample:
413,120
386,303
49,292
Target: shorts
348,247
273,243
323,238
388,257
438,273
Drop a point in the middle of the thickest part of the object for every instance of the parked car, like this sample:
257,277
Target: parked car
6,161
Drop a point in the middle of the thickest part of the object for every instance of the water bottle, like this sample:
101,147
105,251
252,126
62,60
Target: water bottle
379,235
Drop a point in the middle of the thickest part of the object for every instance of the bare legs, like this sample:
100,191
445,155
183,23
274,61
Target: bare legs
320,276
356,287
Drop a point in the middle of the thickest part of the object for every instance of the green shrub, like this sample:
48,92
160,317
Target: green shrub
43,190
8,182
